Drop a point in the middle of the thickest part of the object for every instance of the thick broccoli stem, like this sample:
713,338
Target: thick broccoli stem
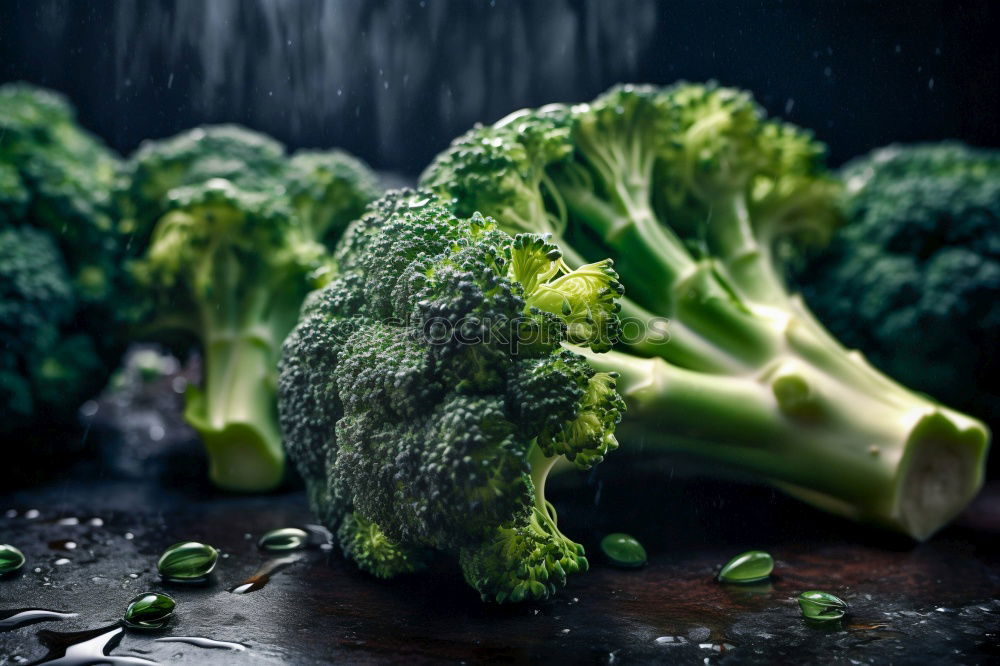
235,412
236,415
909,465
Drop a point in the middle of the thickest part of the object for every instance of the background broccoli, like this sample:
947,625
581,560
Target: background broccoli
229,235
60,276
425,395
692,191
913,279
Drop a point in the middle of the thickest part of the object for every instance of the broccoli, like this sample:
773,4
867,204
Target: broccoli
44,367
914,277
425,394
60,254
231,237
695,195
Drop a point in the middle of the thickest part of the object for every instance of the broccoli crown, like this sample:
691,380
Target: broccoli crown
56,176
222,250
425,393
43,367
326,189
655,177
914,277
59,263
329,189
243,157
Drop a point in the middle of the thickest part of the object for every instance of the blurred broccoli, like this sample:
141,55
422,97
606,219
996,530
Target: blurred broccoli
59,263
231,237
914,279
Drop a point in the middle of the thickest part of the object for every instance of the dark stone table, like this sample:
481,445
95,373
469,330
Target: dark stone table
92,544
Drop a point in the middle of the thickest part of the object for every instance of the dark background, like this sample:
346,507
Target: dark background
394,81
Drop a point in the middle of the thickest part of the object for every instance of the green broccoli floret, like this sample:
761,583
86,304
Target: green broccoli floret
231,237
914,278
243,157
426,394
329,189
60,274
59,178
692,192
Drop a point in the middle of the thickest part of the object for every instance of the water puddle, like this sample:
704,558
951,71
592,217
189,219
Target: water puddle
84,648
19,617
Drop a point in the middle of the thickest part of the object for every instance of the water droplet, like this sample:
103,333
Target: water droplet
31,514
149,610
285,538
749,567
61,561
198,641
69,520
187,561
262,576
129,536
623,550
96,522
11,559
821,606
670,640
89,408
10,513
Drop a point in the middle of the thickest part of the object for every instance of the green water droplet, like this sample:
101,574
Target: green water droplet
623,550
149,610
286,538
11,559
821,606
749,567
187,561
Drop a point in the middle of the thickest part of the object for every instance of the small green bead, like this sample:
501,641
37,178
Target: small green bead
821,606
286,538
187,561
11,559
149,610
623,550
749,567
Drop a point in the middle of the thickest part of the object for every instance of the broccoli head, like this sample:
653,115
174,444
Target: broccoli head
230,236
914,278
426,393
60,255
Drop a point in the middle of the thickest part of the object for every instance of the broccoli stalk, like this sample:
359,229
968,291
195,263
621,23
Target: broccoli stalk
694,194
906,467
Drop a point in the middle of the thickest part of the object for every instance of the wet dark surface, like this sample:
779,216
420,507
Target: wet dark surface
938,602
